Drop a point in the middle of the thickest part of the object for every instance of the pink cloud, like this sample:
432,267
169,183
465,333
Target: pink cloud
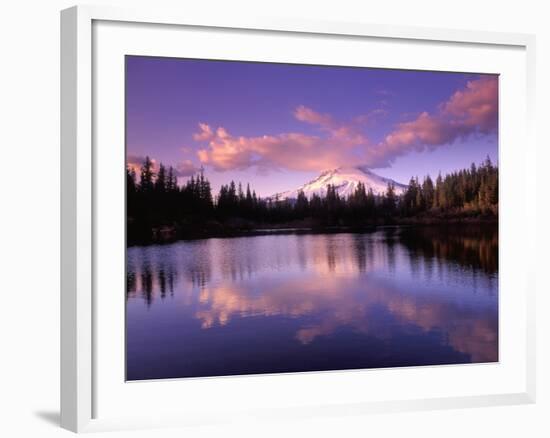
290,150
470,111
339,145
347,132
371,117
477,105
182,169
134,162
205,133
305,114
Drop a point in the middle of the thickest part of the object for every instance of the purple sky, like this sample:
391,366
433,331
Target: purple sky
278,126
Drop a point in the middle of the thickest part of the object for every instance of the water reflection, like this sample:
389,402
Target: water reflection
395,297
474,247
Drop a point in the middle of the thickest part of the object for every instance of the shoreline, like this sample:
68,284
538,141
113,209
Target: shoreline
171,235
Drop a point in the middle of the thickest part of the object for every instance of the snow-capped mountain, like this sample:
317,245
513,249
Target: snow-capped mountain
345,180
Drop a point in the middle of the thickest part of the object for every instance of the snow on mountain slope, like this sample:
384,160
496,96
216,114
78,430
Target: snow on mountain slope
345,180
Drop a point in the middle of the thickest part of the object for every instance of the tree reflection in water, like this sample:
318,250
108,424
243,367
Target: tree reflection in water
394,297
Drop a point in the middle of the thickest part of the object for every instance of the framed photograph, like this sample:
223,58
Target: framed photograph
342,212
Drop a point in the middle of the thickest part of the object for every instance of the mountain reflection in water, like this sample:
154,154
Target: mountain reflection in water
306,302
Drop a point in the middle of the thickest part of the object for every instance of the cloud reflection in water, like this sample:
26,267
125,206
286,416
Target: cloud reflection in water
398,287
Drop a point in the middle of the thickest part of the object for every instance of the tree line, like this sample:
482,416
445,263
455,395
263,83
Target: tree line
158,208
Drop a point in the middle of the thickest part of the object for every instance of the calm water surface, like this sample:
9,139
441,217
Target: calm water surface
307,302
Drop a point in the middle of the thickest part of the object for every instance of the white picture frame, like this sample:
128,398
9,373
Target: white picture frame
80,168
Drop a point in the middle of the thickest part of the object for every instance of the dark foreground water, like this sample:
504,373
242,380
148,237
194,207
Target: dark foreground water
283,303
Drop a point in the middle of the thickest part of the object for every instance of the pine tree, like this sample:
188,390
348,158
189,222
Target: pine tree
428,191
302,205
172,183
249,201
146,176
419,201
410,197
389,201
438,195
160,182
158,200
130,180
371,203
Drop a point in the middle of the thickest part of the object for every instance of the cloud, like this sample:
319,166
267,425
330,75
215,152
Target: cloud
181,169
339,144
477,105
291,150
468,112
316,298
134,162
185,168
343,133
205,133
371,117
305,114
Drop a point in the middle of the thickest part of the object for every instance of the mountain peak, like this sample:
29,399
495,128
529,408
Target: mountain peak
345,179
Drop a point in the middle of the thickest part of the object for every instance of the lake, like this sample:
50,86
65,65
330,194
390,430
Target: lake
397,296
